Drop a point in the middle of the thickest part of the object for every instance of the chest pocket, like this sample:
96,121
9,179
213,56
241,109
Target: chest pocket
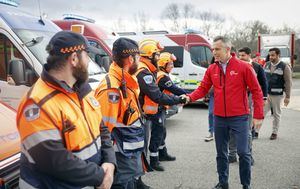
76,134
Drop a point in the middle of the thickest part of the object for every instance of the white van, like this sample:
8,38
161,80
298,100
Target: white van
23,39
193,52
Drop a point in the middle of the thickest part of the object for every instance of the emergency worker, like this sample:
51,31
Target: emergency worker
118,95
150,97
165,66
64,143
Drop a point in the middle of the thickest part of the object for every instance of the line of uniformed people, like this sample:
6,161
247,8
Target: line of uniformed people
73,137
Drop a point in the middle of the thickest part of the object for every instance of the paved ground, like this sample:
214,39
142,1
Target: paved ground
277,163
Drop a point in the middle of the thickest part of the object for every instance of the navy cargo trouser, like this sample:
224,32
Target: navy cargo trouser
158,132
240,129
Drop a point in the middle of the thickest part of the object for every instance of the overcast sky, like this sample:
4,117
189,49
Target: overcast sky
275,13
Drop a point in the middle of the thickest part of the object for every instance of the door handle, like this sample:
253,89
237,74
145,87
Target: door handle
193,74
175,73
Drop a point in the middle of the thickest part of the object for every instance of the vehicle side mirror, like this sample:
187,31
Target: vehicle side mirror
16,70
106,61
295,57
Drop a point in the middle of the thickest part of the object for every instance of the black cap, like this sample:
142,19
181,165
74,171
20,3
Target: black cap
124,47
65,42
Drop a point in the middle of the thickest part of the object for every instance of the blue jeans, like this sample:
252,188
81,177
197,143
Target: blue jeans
239,126
211,114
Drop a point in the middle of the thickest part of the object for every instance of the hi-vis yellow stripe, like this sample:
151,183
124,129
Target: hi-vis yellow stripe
190,82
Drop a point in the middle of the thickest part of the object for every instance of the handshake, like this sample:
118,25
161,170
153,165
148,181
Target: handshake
184,99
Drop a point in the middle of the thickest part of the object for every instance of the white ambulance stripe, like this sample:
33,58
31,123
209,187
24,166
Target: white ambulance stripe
24,185
90,151
133,145
41,136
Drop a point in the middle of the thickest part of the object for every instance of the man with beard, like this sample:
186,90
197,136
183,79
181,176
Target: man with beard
151,97
118,94
64,141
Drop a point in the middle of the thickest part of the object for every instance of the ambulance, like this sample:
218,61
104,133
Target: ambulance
23,39
193,52
10,148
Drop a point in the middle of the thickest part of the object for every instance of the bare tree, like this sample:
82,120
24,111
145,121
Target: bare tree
141,20
211,22
171,12
245,34
119,25
188,12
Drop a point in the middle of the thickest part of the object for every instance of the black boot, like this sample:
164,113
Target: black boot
141,185
154,163
164,156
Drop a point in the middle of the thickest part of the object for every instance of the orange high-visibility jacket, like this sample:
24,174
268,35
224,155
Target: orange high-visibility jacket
149,106
63,140
121,113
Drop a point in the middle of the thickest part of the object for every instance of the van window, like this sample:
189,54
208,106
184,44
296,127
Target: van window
200,55
99,48
8,52
178,52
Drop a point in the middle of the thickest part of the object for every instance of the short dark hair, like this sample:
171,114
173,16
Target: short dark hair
276,50
224,39
57,62
246,50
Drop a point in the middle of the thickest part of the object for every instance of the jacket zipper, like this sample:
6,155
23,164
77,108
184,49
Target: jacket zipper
224,90
94,138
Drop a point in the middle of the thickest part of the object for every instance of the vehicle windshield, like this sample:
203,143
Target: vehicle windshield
201,55
284,52
36,41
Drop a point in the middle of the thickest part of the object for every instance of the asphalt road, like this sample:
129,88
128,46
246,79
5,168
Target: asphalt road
277,163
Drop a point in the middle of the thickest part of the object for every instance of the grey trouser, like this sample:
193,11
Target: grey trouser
274,101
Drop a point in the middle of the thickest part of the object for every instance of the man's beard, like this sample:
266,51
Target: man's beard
154,62
133,68
80,73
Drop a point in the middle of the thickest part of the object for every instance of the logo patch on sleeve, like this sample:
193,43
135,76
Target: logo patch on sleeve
168,84
32,112
113,97
148,79
94,101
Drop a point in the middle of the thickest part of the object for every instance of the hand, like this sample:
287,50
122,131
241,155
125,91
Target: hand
265,102
257,124
184,99
286,101
109,169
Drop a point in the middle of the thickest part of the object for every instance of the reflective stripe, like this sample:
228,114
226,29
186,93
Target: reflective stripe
89,187
27,155
110,120
278,71
161,147
24,185
88,152
276,90
150,108
154,154
41,136
133,145
116,148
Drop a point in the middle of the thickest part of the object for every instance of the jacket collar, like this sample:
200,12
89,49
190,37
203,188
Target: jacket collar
116,71
62,86
148,63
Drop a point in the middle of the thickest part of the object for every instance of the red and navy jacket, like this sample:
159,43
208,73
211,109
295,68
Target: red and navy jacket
230,89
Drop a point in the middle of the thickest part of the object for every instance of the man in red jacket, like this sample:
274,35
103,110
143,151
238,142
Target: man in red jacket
231,78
